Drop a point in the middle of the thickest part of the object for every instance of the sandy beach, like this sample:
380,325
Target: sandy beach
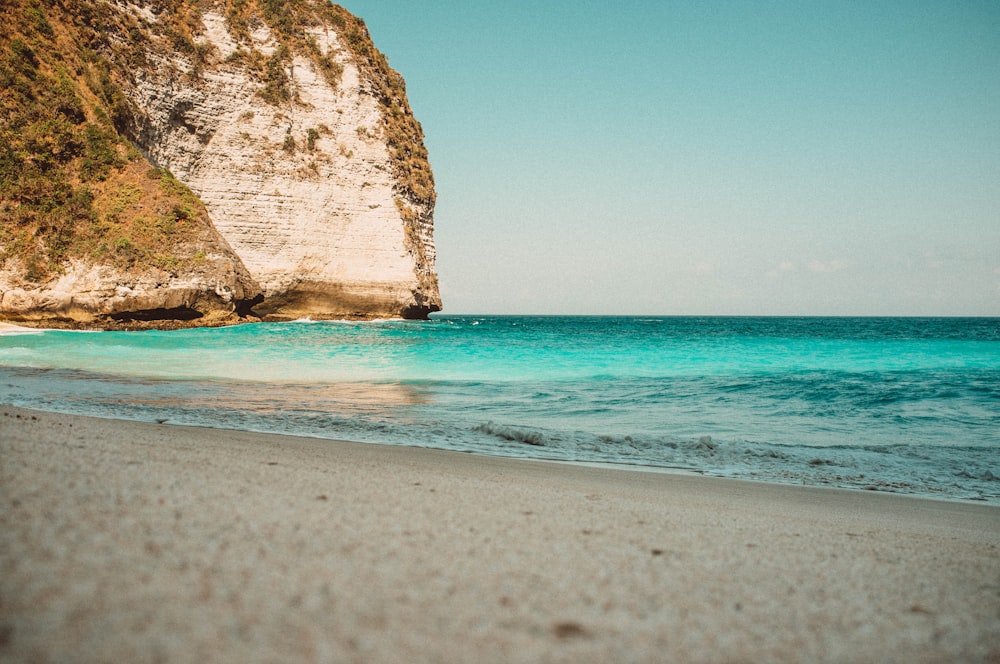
144,542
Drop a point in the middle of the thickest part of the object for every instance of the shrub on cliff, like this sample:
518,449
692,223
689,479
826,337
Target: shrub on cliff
63,163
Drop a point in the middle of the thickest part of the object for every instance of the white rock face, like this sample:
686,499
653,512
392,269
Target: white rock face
303,191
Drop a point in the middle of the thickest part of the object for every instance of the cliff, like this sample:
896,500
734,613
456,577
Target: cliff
306,186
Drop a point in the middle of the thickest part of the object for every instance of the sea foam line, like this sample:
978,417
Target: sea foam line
9,329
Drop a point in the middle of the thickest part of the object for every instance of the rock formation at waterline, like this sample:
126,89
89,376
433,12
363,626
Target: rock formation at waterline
176,163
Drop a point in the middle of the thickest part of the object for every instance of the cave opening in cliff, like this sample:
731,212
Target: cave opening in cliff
175,313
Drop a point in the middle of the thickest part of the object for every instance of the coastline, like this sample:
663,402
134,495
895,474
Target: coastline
123,540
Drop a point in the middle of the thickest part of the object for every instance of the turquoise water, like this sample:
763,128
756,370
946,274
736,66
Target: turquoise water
906,405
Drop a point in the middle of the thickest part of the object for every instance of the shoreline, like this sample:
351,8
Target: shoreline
103,324
622,466
125,540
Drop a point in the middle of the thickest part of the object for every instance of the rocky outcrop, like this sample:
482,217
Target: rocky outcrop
298,177
190,276
87,295
287,125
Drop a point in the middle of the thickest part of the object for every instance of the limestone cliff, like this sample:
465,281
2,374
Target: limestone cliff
90,233
287,123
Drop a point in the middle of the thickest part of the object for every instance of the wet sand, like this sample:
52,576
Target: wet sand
142,542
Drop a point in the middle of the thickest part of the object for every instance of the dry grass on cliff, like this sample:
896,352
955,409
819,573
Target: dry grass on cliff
70,185
136,211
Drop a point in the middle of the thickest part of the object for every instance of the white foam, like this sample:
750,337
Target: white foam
8,329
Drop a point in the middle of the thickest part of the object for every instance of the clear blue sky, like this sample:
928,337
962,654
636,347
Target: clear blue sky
778,158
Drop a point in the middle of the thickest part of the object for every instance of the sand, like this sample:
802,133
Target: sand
145,542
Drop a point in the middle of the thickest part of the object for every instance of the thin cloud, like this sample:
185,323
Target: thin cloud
783,268
825,267
932,261
704,268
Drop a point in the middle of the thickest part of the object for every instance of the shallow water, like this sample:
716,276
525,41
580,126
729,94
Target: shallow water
908,405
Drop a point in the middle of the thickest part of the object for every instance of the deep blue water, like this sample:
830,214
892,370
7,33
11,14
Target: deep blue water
894,404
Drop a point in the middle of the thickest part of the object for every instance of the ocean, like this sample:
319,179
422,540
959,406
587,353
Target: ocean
907,405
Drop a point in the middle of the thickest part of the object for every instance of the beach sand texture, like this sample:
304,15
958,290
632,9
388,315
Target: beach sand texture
125,541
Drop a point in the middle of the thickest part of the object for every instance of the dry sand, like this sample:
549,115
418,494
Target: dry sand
133,542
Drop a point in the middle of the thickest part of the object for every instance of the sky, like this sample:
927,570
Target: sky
709,157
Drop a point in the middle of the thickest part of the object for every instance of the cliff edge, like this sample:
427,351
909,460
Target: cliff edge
280,125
